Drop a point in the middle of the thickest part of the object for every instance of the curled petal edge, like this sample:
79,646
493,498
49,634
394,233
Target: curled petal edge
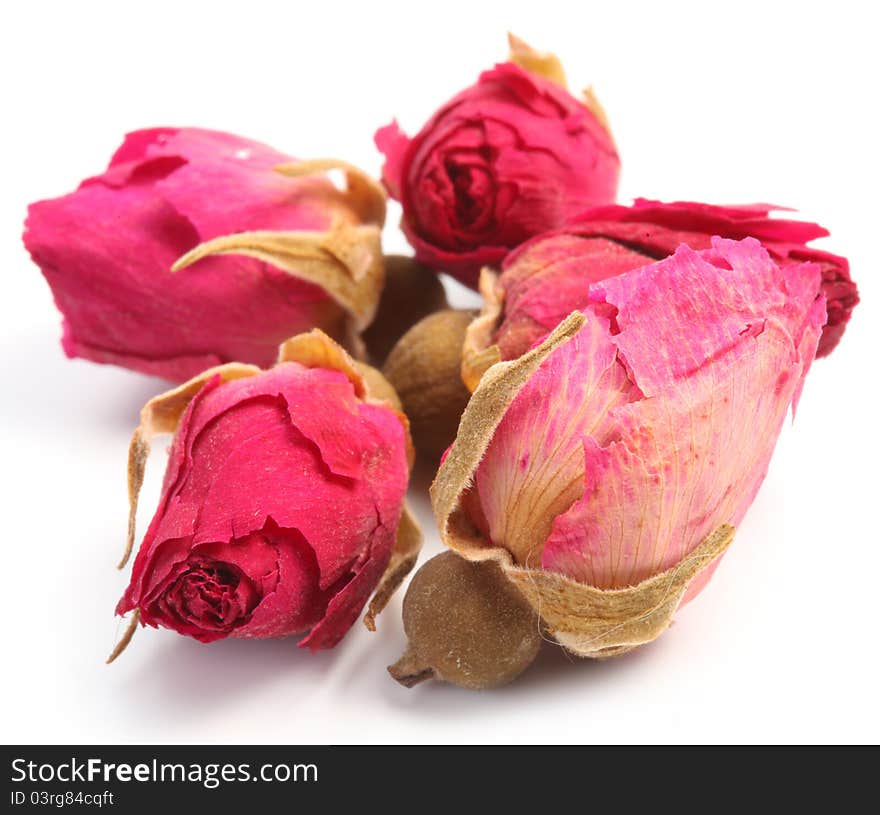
365,195
162,414
314,349
403,559
585,620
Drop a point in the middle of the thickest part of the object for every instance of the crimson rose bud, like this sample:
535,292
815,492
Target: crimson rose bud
282,499
107,249
511,156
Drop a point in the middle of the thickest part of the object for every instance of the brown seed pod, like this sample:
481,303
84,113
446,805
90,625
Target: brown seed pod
411,292
467,625
425,370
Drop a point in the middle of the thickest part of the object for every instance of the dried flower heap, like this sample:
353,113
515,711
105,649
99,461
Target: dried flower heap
605,469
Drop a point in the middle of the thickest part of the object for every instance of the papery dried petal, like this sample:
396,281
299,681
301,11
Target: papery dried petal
549,276
106,251
505,159
636,433
281,504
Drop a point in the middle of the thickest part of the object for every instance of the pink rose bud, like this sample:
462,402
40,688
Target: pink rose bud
107,250
548,277
511,156
282,504
606,468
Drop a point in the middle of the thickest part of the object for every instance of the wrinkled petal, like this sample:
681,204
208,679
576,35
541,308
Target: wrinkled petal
707,351
392,142
106,251
277,502
653,230
511,156
533,470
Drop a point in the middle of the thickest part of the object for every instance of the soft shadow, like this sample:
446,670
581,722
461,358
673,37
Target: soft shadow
185,679
43,383
554,670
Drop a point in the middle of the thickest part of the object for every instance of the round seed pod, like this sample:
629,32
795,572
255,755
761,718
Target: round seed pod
411,291
467,625
425,370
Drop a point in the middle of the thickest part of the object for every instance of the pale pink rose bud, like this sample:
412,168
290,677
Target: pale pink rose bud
606,468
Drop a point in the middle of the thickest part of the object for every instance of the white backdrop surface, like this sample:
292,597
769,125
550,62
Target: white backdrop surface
755,101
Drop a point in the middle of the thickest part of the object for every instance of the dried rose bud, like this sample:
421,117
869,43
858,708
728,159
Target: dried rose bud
548,277
511,156
282,504
107,250
606,468
412,291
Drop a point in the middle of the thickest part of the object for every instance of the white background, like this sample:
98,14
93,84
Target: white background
735,103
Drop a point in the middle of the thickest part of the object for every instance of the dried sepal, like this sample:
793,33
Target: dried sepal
403,558
549,66
592,103
542,63
480,352
365,195
162,415
345,261
126,637
586,620
481,417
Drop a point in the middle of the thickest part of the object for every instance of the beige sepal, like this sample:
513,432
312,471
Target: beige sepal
162,415
479,352
588,621
403,558
125,639
548,66
366,196
345,261
595,107
316,350
542,63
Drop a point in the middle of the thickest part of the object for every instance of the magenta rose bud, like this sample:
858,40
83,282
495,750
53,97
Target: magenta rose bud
281,503
107,249
513,155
